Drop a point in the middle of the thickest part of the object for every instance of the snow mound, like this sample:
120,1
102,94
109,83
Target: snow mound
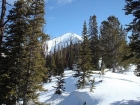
62,40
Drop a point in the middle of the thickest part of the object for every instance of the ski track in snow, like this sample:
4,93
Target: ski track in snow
115,89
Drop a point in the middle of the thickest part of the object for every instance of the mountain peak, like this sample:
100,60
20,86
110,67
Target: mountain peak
61,41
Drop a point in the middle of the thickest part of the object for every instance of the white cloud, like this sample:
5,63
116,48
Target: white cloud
61,2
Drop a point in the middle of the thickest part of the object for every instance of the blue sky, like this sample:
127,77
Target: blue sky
64,16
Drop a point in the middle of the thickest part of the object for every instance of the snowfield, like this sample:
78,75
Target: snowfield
115,89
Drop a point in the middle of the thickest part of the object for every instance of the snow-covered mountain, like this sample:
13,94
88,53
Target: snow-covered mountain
62,40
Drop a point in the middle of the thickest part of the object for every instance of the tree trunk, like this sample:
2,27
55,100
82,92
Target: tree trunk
2,20
113,67
101,66
83,84
25,102
3,8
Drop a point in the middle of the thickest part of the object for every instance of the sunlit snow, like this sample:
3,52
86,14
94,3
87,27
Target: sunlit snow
115,89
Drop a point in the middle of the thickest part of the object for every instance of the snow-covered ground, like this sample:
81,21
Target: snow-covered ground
115,89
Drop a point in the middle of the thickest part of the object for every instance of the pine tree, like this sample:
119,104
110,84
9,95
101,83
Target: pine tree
110,41
55,62
48,66
64,56
24,50
76,67
51,66
14,53
94,41
3,22
4,96
67,56
59,60
132,7
25,69
84,61
71,55
124,50
60,84
34,61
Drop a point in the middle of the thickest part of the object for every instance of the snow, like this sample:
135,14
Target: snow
115,89
63,40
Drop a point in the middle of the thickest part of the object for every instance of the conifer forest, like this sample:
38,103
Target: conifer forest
25,66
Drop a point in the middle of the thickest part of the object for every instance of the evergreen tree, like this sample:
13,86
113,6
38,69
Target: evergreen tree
34,61
76,52
55,61
53,64
76,66
124,50
60,84
26,67
110,41
59,60
94,41
84,60
14,54
3,23
132,7
67,56
48,66
71,55
4,96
